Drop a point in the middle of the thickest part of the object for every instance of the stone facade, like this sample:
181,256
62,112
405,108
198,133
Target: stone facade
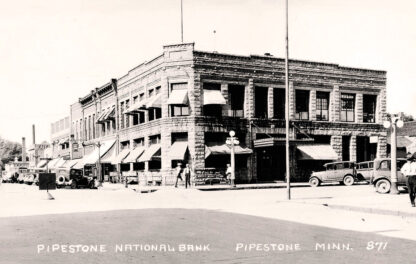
183,64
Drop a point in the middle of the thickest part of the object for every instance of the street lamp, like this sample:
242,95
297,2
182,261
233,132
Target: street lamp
231,142
393,122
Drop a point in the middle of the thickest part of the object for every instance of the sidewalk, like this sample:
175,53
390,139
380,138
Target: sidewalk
375,203
369,202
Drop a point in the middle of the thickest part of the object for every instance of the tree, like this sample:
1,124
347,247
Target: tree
9,150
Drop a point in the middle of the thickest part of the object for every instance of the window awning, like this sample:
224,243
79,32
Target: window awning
100,118
41,163
110,114
92,158
213,97
56,163
223,149
317,152
178,150
63,141
134,108
121,156
154,102
52,163
134,154
110,156
149,153
178,97
70,163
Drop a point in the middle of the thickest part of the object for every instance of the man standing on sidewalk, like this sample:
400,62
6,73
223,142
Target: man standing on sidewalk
187,172
409,171
178,174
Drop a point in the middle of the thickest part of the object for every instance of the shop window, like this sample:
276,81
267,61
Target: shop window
154,139
322,106
347,107
369,108
302,105
138,166
260,102
279,103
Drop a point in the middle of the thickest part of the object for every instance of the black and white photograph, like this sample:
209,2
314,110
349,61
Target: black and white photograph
207,131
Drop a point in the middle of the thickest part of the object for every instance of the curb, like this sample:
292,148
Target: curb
229,188
371,210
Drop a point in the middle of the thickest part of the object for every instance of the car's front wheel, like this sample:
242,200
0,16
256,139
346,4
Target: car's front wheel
314,182
73,184
383,186
348,180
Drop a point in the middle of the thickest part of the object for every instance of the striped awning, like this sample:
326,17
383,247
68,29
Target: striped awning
121,156
178,97
134,154
149,153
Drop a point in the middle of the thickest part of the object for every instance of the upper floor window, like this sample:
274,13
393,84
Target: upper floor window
236,100
122,115
279,103
302,105
347,107
322,106
178,100
127,116
369,108
213,99
260,102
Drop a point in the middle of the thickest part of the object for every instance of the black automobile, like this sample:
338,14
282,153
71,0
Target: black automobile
78,180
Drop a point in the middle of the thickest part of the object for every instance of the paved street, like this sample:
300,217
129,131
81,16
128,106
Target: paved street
222,219
226,236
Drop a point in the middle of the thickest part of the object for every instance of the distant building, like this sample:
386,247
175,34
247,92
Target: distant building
60,134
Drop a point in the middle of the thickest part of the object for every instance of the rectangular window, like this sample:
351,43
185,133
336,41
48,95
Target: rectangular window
93,126
279,103
369,108
177,110
151,92
141,97
179,86
260,102
127,116
122,115
322,106
302,105
236,99
347,107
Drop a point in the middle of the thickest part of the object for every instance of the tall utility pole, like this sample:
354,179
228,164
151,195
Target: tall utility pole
287,101
181,21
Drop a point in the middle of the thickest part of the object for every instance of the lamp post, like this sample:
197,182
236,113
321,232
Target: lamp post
231,142
393,122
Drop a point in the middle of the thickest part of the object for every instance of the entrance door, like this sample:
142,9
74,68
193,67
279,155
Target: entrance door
271,164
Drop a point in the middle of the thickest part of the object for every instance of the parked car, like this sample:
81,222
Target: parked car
73,178
364,170
29,179
380,177
342,172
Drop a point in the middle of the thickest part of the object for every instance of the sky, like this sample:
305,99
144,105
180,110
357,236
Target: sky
53,51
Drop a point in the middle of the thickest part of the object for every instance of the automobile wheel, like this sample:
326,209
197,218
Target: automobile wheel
348,180
73,185
91,185
314,182
383,186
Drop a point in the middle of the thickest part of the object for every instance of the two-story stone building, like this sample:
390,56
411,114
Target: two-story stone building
180,107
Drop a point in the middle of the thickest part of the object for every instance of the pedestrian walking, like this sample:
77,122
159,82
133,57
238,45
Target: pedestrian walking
178,174
187,172
409,171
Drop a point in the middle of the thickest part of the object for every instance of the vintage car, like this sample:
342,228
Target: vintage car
380,177
342,172
29,179
74,178
364,170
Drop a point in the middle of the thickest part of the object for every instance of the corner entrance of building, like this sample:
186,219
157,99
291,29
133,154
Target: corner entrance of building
271,165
